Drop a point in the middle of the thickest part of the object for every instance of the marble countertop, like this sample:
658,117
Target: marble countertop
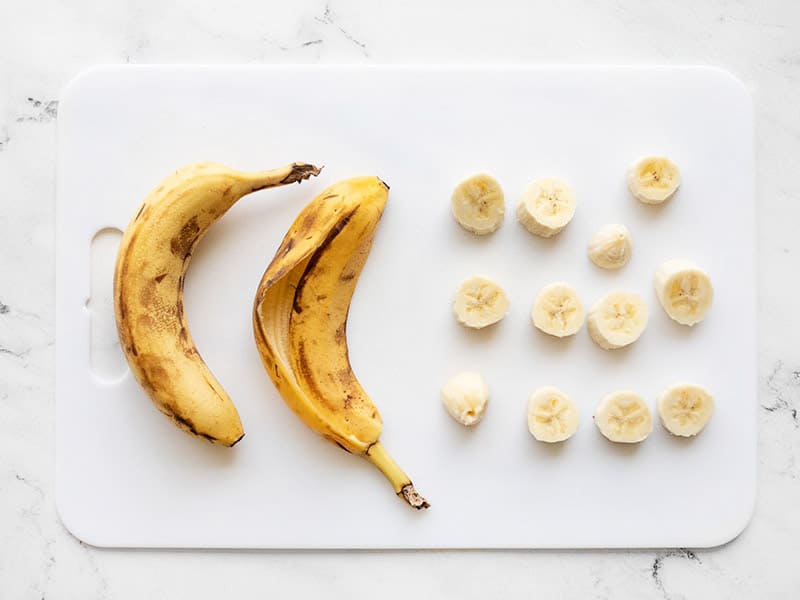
45,43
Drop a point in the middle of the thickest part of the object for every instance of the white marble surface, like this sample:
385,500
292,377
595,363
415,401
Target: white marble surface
44,43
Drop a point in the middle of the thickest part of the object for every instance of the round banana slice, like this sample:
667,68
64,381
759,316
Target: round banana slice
610,247
478,204
617,319
684,290
480,302
465,397
557,310
624,417
546,206
552,415
685,408
654,179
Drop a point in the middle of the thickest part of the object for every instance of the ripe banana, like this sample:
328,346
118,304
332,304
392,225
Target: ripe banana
685,408
617,319
478,204
552,415
624,417
546,206
684,290
465,397
654,179
300,317
148,291
610,247
480,302
557,310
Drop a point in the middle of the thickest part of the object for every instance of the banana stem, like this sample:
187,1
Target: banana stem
402,485
293,173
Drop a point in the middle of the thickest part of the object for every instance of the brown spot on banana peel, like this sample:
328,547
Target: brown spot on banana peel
307,373
160,278
181,244
312,262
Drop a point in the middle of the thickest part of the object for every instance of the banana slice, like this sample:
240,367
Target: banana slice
480,302
684,290
546,206
685,408
624,417
654,179
465,397
552,416
610,247
617,319
557,310
478,204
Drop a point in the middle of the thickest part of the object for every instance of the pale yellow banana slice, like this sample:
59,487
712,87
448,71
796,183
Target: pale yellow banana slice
465,397
480,302
478,204
654,179
610,247
552,415
685,408
617,319
557,310
546,206
684,290
624,417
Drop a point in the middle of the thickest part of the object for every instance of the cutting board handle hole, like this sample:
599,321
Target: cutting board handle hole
106,360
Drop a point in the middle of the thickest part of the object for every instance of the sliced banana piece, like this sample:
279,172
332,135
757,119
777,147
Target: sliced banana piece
557,310
624,417
480,302
465,397
546,206
552,415
654,179
617,319
610,247
684,290
478,204
685,408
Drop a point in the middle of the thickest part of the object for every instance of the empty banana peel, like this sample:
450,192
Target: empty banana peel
300,319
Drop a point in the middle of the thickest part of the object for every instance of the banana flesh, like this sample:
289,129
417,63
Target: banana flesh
557,310
685,409
610,247
684,291
478,204
617,320
653,179
465,397
154,254
480,302
624,417
546,206
552,415
300,317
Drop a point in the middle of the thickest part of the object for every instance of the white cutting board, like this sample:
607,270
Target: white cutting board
127,477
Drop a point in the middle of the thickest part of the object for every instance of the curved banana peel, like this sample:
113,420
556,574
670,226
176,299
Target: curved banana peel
152,260
300,316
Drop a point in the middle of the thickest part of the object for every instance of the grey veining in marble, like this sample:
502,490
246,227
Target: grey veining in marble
45,43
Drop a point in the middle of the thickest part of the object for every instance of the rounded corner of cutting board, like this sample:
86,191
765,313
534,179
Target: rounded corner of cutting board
83,530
